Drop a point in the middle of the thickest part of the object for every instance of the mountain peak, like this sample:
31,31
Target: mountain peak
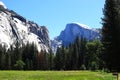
2,4
73,30
80,25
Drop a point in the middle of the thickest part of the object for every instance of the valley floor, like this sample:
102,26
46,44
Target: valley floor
55,75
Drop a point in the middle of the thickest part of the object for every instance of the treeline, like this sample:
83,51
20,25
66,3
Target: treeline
18,57
80,55
26,57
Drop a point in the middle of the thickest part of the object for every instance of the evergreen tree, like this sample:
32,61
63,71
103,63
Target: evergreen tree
82,51
41,60
92,55
77,51
17,51
51,57
68,62
34,53
71,57
111,34
30,56
27,66
8,60
2,57
11,52
75,57
45,61
58,61
63,57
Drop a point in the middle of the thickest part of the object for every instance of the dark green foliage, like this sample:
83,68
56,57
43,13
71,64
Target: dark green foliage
58,59
93,55
2,56
80,55
29,56
51,58
94,66
111,34
83,67
83,51
14,58
19,65
8,61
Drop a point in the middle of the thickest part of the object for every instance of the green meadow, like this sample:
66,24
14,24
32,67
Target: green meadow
55,75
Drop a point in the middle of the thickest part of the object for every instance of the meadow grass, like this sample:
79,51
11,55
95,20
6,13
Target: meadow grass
55,75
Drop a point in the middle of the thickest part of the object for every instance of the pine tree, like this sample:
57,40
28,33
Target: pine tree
8,60
58,60
63,57
111,34
2,57
92,55
69,57
82,51
77,50
34,52
51,57
17,51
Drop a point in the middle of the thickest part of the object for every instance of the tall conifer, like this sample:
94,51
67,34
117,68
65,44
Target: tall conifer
111,34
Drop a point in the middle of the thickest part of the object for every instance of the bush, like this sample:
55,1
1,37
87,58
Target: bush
19,65
94,66
83,67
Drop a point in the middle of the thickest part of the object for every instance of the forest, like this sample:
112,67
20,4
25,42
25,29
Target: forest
81,55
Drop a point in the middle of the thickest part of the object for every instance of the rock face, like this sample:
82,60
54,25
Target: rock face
72,31
3,5
15,28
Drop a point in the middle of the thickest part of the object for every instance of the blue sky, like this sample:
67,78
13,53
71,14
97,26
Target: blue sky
55,14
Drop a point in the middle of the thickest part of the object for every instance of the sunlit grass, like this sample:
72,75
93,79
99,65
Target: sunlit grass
55,75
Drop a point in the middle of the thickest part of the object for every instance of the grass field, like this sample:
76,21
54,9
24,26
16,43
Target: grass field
55,75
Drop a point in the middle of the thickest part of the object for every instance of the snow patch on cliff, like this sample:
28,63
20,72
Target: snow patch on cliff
2,4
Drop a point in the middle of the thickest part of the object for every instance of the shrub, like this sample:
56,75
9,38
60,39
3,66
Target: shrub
83,67
94,66
19,65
